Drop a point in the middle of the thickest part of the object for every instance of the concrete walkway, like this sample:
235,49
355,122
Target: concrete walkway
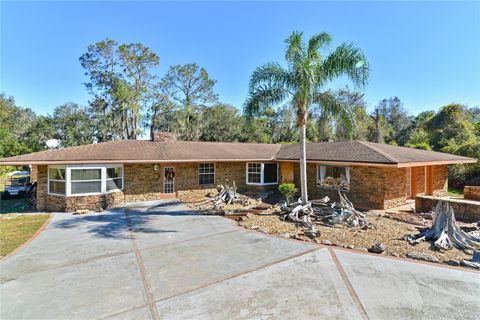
158,260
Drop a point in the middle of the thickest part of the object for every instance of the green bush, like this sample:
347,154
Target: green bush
288,190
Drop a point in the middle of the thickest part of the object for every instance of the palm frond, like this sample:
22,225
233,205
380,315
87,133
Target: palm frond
332,107
271,74
295,52
263,97
347,60
316,43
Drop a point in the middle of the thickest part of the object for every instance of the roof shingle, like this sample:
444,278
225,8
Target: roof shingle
184,151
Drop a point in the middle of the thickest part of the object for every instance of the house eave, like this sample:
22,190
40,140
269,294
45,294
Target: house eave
52,162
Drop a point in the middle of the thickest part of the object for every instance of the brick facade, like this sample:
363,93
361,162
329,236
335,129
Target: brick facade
142,182
440,181
471,192
370,187
465,210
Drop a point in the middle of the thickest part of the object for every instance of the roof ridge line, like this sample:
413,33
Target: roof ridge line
386,155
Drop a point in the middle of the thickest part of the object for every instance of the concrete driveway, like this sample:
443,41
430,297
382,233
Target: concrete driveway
158,260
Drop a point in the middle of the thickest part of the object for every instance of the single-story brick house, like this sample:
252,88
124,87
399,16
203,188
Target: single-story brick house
374,176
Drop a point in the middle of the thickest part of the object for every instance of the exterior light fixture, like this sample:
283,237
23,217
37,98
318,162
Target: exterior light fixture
155,167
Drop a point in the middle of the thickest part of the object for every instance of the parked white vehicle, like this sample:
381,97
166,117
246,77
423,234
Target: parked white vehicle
17,184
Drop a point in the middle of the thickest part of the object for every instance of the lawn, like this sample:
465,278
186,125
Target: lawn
455,192
15,230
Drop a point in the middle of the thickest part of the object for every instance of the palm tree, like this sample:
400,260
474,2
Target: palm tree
302,81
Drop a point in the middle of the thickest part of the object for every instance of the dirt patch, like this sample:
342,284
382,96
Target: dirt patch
386,230
271,224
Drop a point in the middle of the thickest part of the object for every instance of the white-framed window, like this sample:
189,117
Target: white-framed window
114,179
57,180
262,173
336,177
206,174
85,181
80,180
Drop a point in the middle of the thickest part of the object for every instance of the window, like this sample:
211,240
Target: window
206,174
262,173
333,177
254,174
82,180
56,180
86,181
270,171
114,179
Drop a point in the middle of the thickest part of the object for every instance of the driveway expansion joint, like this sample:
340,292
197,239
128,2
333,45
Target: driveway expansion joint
348,285
141,267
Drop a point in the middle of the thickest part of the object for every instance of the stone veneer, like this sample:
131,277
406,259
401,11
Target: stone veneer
142,183
370,187
440,181
471,192
465,210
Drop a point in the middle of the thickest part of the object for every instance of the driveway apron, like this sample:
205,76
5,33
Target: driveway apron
160,260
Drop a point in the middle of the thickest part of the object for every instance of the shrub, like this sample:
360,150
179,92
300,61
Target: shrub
288,190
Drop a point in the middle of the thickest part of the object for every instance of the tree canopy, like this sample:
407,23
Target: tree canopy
129,100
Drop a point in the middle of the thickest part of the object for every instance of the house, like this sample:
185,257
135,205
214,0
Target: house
374,176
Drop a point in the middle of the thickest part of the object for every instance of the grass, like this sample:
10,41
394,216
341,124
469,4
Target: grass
14,231
455,192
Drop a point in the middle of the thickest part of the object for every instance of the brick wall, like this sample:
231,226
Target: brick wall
471,192
34,173
440,181
42,185
141,183
395,180
370,187
467,211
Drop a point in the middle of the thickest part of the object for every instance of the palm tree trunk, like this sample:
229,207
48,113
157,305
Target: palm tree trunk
303,162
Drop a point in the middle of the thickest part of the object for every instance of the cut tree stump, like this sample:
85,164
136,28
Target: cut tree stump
444,231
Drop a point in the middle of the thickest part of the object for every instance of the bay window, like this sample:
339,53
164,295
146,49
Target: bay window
56,180
72,180
262,173
336,177
206,174
114,179
85,181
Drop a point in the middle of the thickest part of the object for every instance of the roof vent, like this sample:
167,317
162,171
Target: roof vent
164,137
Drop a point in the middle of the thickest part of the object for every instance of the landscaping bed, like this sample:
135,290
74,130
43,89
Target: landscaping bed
199,200
385,230
15,229
388,230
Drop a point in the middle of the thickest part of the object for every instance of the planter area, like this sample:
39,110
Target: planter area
384,235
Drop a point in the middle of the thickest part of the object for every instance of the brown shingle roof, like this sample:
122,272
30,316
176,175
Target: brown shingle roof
183,151
148,151
366,152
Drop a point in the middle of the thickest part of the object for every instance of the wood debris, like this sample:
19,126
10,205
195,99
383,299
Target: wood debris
444,231
228,195
330,213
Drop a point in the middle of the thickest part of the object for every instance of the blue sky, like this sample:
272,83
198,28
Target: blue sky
426,53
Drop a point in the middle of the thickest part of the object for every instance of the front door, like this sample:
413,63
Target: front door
168,180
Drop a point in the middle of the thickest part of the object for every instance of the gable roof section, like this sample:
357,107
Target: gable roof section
135,151
368,153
